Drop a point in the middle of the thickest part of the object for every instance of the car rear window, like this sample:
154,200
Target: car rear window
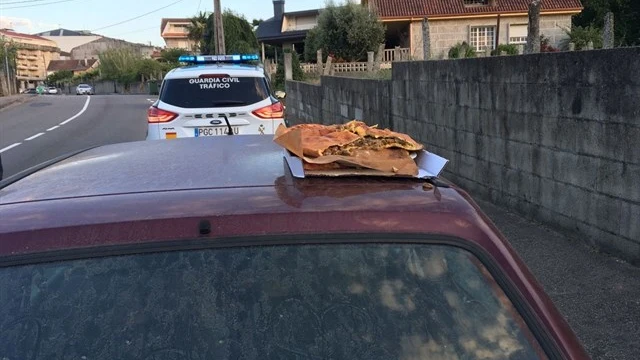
206,92
377,301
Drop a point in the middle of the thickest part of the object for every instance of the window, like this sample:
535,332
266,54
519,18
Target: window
476,2
349,301
518,34
214,91
483,37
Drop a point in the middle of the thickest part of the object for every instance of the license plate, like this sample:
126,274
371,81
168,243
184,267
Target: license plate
215,131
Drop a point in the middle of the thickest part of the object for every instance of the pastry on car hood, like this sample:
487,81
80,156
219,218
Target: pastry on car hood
321,140
348,148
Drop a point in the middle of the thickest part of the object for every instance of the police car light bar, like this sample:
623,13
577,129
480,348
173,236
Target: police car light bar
203,59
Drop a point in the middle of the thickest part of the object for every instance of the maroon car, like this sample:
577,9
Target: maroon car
211,249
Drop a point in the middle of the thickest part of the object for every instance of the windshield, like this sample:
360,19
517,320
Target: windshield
206,92
281,302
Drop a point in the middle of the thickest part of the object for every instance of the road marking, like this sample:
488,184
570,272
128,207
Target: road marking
151,100
9,147
86,105
34,136
53,128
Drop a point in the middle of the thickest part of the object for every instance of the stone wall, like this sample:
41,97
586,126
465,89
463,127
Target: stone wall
555,137
446,33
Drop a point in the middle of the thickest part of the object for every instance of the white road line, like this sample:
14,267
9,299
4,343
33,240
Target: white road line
9,147
86,105
34,136
53,128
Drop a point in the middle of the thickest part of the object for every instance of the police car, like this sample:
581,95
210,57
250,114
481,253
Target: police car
215,95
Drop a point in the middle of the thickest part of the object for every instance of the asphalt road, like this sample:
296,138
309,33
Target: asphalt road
53,125
598,295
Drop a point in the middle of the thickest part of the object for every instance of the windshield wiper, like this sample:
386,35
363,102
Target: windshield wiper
230,130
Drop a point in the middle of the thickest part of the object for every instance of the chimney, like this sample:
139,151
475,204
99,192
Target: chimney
278,9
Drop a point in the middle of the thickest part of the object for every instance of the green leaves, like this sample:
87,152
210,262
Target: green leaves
60,77
346,31
581,36
239,36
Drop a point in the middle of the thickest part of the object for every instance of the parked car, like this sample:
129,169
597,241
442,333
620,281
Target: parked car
84,89
29,91
215,95
52,90
228,256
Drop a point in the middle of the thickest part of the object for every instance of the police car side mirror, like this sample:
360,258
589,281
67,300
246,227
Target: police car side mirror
280,94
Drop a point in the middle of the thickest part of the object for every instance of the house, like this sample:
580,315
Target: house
286,29
175,33
481,23
92,50
33,56
78,67
69,39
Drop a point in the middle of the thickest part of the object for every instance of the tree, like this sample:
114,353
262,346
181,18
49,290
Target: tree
311,46
346,31
239,36
121,65
625,12
61,76
172,55
255,23
197,29
297,72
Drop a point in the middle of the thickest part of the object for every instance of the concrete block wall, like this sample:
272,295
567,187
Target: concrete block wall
555,137
340,100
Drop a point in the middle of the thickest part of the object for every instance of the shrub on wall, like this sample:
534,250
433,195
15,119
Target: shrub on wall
509,49
458,50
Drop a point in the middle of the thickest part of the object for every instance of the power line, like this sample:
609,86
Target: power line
34,5
132,31
20,2
137,17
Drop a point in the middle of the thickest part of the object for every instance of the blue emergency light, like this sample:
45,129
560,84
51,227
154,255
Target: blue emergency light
204,59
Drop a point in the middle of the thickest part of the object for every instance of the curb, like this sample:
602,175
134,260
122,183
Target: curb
17,101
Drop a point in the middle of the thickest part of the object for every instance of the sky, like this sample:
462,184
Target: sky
33,16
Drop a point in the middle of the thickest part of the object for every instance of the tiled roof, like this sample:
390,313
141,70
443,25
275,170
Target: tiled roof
404,8
14,34
70,65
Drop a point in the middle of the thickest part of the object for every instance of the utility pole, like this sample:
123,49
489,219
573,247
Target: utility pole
218,27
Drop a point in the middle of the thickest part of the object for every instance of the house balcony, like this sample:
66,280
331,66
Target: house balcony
398,54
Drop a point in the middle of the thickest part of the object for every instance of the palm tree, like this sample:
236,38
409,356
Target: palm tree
197,30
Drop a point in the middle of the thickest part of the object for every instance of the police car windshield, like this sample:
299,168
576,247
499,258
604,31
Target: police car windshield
222,91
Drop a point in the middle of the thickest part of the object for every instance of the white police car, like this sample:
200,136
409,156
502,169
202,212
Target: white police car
215,95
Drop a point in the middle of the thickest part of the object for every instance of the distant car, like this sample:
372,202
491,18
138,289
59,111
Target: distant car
84,89
30,91
213,96
211,249
52,90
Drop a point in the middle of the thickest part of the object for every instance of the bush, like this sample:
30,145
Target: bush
458,49
507,49
581,36
297,72
347,31
545,45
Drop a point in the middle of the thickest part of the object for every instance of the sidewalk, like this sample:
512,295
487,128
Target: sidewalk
599,295
6,101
